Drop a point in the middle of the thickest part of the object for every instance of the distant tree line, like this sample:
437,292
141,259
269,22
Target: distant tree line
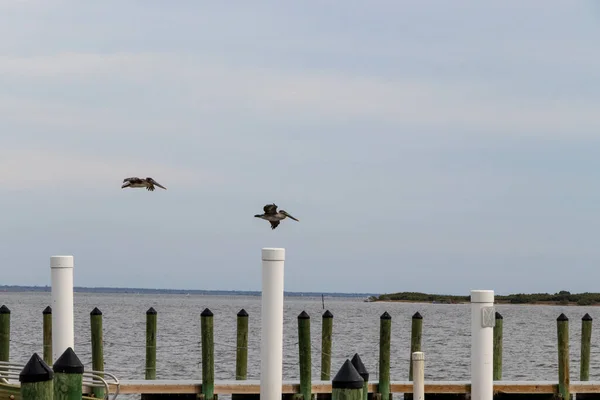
562,297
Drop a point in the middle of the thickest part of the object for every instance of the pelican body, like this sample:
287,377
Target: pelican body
135,182
273,216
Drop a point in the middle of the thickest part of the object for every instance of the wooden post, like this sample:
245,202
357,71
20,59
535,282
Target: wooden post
362,371
326,334
36,380
586,342
4,333
208,351
304,355
416,333
385,333
562,323
498,347
151,318
47,332
347,384
241,354
97,349
68,376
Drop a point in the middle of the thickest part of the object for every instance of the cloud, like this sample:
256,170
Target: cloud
185,84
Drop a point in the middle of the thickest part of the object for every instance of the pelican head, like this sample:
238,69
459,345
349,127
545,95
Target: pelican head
152,181
287,215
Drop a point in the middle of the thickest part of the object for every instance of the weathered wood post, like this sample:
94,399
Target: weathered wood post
326,333
4,333
151,319
208,353
562,325
498,347
304,355
68,376
418,361
385,336
36,380
416,332
47,333
97,349
586,342
241,354
347,383
362,371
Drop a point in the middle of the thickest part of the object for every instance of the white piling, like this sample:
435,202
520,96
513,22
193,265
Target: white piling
483,320
63,331
271,344
418,358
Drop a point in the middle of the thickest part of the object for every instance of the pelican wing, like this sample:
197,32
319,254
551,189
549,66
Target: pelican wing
270,209
274,224
133,179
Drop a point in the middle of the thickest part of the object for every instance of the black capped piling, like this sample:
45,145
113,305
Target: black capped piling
4,333
151,318
241,354
347,383
68,376
385,335
562,324
36,380
497,349
97,349
416,332
47,334
362,371
326,333
208,354
586,343
304,354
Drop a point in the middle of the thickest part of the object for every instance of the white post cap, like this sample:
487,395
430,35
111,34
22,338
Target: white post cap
273,254
61,262
418,356
482,296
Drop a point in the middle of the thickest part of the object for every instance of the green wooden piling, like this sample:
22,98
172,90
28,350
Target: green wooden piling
36,380
586,342
151,318
208,351
4,333
347,383
416,332
326,333
385,333
304,355
362,371
97,349
562,323
498,347
241,354
47,332
68,376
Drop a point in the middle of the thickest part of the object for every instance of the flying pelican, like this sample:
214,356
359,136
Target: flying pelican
135,182
273,216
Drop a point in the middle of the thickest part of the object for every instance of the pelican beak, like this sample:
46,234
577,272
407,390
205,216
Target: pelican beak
159,185
286,213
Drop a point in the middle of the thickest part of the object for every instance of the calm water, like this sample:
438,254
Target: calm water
529,335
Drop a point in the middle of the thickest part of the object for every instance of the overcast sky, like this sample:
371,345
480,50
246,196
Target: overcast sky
424,146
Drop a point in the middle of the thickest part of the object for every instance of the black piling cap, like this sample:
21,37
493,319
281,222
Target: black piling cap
562,317
417,316
242,313
68,363
586,317
303,315
151,311
498,315
36,370
360,367
385,315
4,310
96,311
47,310
327,314
206,313
347,378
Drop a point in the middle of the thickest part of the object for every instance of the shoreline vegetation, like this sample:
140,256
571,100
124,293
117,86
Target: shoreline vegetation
561,298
